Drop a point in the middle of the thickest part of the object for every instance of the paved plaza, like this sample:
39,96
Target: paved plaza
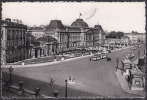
92,78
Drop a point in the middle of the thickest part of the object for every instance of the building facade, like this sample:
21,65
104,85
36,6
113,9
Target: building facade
13,41
59,38
136,38
37,32
116,42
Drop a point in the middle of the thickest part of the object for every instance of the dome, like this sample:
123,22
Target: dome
79,23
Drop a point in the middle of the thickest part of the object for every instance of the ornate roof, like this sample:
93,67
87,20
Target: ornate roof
55,24
79,23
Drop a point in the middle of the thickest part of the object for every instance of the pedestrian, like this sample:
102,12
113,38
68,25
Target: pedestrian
90,59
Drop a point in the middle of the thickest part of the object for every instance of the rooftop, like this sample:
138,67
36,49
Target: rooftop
55,24
7,22
79,23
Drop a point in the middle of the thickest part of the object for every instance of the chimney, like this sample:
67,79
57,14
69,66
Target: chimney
8,19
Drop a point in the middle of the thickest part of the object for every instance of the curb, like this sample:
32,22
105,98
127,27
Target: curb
43,64
125,87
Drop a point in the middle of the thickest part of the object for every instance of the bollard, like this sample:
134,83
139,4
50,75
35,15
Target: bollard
6,85
37,90
55,92
21,90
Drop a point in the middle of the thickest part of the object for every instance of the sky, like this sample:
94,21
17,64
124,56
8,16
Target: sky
112,16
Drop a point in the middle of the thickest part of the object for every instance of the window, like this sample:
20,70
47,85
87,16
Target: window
137,82
8,34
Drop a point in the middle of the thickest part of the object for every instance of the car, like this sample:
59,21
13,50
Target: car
108,59
130,56
95,58
103,56
133,48
139,46
104,52
109,51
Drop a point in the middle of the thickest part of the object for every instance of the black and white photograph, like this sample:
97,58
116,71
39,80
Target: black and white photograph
73,50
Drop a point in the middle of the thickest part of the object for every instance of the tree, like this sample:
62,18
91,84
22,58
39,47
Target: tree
114,34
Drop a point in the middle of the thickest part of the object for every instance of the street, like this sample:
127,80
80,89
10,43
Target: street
94,77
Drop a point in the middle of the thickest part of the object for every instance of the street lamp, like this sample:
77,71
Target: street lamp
66,88
138,54
10,71
117,60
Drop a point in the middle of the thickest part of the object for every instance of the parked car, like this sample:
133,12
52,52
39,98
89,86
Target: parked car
130,55
104,52
139,46
133,48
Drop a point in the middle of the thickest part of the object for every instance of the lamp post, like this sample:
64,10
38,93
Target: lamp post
117,60
138,54
65,88
10,71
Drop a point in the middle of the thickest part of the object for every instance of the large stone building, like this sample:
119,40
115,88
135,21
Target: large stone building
117,42
59,38
13,41
136,38
35,31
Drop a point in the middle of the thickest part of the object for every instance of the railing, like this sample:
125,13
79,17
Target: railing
20,91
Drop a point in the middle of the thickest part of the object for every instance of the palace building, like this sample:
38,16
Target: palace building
58,38
20,42
13,41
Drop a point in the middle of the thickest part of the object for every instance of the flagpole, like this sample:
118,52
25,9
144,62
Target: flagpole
79,15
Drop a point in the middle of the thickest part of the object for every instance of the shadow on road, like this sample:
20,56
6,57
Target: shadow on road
46,88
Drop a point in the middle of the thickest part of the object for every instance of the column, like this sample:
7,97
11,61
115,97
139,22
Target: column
38,53
33,53
41,52
51,48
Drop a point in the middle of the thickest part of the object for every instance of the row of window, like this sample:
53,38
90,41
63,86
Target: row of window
13,34
12,43
13,56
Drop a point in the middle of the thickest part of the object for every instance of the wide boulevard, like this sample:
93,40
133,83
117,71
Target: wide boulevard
94,78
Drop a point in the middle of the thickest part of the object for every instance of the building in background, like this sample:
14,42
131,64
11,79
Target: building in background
136,38
37,32
13,41
117,42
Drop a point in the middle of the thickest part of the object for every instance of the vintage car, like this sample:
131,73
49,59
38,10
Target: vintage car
103,56
109,51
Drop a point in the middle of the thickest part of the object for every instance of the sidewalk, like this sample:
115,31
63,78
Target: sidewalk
121,49
43,64
125,86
